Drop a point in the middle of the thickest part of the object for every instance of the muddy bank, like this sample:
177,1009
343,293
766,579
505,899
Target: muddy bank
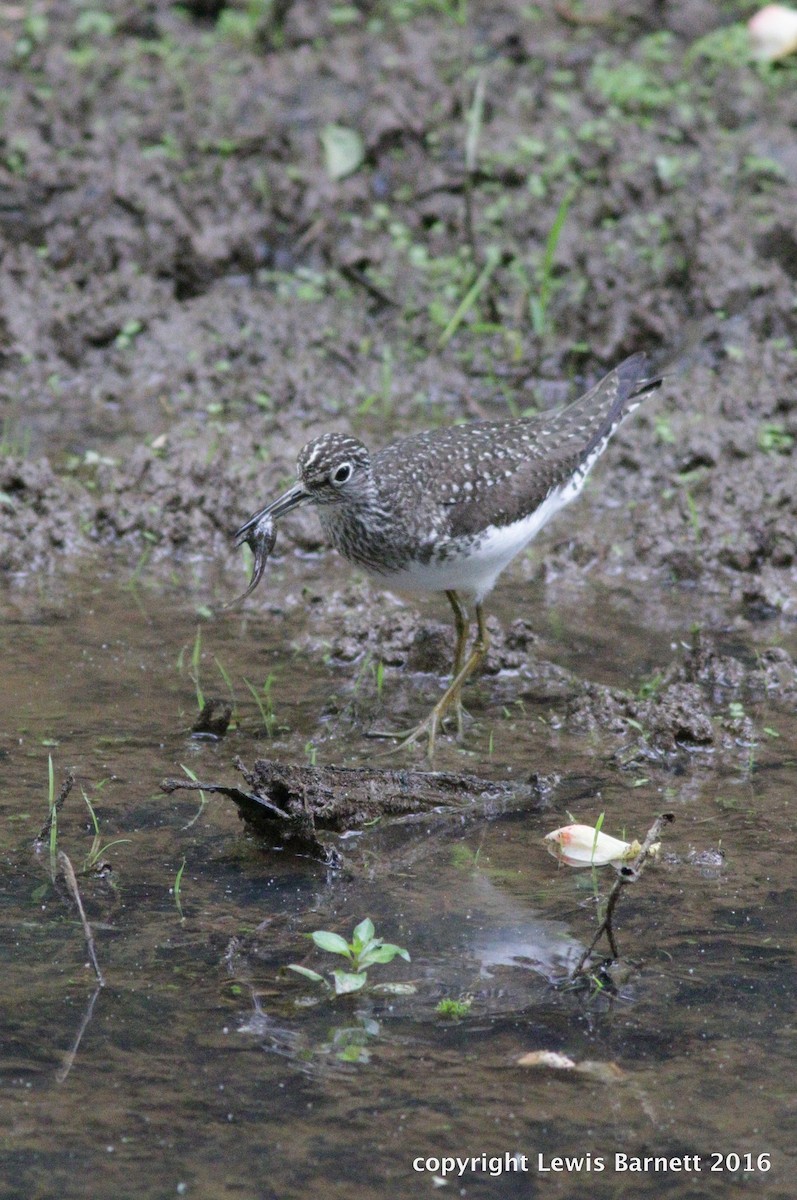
192,285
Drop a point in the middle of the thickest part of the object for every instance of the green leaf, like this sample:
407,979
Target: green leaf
363,934
383,954
308,974
346,982
344,150
332,942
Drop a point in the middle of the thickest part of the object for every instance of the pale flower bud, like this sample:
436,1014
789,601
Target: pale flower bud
773,32
585,846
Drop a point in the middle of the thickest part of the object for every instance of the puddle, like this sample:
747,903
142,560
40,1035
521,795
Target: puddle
202,1070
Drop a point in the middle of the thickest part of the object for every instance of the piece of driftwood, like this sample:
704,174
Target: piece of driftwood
299,802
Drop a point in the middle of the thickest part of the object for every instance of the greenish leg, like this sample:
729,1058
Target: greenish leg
451,697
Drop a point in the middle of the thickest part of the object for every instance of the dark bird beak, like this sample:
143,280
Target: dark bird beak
277,508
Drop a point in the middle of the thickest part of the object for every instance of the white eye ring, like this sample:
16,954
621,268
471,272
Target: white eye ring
342,474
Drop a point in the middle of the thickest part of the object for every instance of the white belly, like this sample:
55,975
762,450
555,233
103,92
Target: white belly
474,570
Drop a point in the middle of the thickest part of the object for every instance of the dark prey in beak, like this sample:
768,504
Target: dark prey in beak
260,535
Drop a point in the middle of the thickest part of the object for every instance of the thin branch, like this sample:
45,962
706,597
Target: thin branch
355,275
71,883
629,873
236,794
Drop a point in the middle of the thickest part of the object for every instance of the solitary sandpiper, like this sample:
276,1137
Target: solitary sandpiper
448,510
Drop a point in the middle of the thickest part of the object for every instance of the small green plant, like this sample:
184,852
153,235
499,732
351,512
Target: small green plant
93,23
663,430
202,797
454,1010
196,659
97,850
128,334
650,688
34,33
384,396
257,22
538,305
14,439
265,703
193,671
365,950
176,888
727,46
774,438
406,10
225,674
493,257
634,87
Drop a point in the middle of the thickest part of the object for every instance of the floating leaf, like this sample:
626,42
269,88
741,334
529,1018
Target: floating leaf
344,150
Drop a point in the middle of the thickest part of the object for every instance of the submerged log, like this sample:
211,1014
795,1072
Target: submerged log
298,802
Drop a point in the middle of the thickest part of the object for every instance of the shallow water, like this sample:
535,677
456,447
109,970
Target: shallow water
199,1069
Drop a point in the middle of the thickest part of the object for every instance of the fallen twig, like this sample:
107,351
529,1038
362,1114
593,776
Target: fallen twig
71,883
628,873
357,276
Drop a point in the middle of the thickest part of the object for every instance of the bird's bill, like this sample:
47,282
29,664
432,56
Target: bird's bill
294,496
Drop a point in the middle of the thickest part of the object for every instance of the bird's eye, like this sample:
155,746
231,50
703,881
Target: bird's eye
342,474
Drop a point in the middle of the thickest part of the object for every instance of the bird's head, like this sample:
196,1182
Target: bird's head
332,469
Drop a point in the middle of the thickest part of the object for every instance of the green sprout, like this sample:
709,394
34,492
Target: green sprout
493,260
365,950
178,882
128,334
194,669
265,703
539,304
97,850
196,659
774,438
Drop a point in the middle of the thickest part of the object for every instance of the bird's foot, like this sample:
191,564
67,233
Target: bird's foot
427,728
451,699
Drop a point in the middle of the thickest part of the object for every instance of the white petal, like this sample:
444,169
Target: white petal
585,846
773,32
